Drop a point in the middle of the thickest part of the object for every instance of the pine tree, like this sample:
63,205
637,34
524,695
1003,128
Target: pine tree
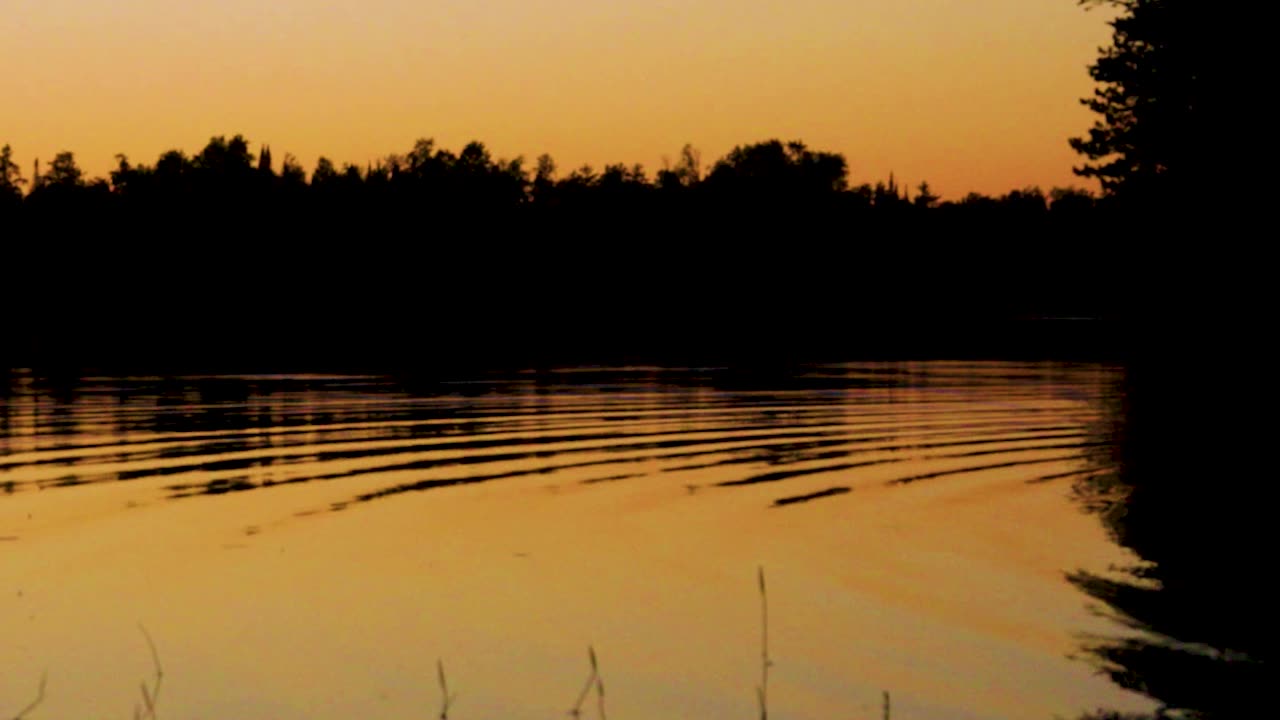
1149,142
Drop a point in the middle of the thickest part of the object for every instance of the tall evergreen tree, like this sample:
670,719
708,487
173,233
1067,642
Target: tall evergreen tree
1149,144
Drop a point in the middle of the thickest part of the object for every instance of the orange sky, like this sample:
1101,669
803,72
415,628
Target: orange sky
969,94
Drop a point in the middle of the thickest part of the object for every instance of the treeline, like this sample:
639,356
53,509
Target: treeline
762,178
769,250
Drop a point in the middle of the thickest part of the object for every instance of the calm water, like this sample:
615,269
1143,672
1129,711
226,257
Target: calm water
309,546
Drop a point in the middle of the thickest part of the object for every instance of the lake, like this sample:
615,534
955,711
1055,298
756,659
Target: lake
312,546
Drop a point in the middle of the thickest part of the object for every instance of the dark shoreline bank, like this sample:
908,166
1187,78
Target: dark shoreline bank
311,346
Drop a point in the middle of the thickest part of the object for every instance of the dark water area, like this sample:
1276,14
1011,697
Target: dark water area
1190,498
426,337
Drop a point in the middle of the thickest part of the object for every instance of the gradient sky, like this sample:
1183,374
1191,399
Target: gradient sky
975,95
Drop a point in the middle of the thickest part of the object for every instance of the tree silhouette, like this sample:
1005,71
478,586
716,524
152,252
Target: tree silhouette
11,181
264,161
173,167
62,190
63,172
544,173
225,156
925,198
324,174
1027,202
1150,143
686,173
292,174
887,195
774,175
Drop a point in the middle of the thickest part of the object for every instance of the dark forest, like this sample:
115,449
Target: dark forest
460,257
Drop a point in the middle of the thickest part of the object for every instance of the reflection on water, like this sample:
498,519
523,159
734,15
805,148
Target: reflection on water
766,462
216,435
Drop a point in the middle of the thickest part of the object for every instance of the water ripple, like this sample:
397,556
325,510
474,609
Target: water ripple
369,438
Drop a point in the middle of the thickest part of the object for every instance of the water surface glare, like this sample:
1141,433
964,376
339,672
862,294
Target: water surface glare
308,546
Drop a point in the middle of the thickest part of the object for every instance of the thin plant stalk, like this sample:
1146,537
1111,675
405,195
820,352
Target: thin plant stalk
446,700
886,705
34,703
150,697
600,695
762,690
576,711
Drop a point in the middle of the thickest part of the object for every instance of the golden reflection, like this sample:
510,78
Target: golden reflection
506,531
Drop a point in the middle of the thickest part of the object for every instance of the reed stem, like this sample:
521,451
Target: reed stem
34,703
762,691
576,711
151,697
446,700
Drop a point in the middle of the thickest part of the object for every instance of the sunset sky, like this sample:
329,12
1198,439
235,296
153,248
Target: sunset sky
975,95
